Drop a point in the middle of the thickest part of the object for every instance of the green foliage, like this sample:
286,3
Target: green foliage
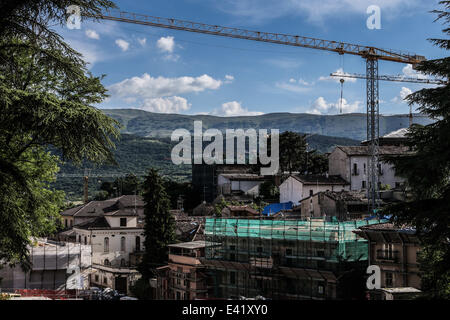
269,191
141,289
428,174
47,98
292,151
294,155
159,225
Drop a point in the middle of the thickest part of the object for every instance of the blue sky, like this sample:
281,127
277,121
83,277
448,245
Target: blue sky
170,71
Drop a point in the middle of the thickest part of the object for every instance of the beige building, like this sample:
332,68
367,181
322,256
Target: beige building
394,250
184,277
114,230
350,162
344,205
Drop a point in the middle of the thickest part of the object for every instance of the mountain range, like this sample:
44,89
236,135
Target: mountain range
352,125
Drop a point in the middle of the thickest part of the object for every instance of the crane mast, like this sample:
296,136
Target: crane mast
371,54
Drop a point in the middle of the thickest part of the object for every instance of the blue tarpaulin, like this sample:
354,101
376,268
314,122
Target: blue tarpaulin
277,207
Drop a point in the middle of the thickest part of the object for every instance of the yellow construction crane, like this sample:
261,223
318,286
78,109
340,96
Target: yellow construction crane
369,53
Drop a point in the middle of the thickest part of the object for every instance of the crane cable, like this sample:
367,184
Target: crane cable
341,80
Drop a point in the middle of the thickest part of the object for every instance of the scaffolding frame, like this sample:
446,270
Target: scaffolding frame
264,254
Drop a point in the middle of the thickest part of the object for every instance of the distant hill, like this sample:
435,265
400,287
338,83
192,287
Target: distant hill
352,126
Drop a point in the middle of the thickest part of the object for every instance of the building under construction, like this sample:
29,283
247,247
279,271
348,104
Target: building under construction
285,259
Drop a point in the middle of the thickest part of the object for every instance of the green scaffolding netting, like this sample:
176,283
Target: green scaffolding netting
347,244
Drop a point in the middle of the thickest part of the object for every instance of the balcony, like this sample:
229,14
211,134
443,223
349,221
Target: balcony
388,255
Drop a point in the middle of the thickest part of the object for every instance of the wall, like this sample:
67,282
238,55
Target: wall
291,190
53,267
115,255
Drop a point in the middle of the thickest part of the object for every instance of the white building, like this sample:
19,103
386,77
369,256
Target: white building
116,241
114,230
298,187
350,162
54,266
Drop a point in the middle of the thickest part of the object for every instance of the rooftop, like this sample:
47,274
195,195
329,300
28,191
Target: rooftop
121,206
189,245
320,179
384,150
388,226
242,176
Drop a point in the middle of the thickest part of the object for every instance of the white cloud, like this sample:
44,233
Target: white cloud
257,11
173,104
142,41
402,95
293,85
166,44
92,34
122,44
234,109
337,79
321,106
228,78
409,72
149,87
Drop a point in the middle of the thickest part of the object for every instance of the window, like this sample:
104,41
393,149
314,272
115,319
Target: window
364,168
107,263
65,223
79,239
289,252
355,169
232,277
85,240
321,288
123,263
259,249
122,244
105,280
178,296
96,278
311,192
71,223
138,243
106,244
363,184
389,277
123,222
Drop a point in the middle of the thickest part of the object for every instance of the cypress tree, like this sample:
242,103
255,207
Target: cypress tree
428,172
159,225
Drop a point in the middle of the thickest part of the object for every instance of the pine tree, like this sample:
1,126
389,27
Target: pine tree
428,174
159,225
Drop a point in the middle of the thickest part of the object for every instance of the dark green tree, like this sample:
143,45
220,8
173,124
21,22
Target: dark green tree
292,151
47,98
268,191
159,226
428,172
316,163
